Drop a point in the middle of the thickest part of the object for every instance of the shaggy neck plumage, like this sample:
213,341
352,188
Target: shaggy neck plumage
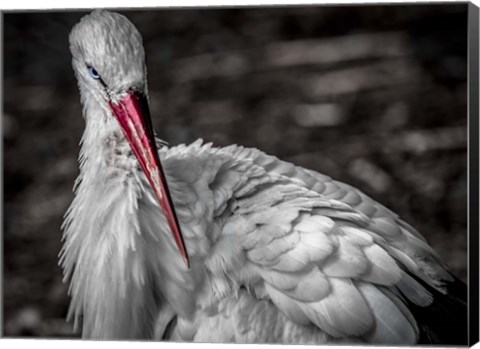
103,252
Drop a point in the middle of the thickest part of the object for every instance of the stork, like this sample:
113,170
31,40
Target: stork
199,243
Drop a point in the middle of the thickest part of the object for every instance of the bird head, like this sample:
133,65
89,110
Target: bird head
109,62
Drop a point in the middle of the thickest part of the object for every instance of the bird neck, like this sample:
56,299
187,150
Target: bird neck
104,250
103,141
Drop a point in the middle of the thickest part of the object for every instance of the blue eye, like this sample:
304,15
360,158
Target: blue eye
93,73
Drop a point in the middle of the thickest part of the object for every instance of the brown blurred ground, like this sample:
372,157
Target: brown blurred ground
374,96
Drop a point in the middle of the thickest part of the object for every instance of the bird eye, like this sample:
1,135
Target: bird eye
93,73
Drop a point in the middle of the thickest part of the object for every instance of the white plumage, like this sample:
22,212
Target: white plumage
278,253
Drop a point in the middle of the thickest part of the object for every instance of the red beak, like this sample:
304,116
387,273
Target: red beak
133,114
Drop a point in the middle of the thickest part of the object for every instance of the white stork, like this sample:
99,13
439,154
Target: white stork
246,248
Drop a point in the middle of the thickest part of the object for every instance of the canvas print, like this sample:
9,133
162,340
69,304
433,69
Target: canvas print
290,175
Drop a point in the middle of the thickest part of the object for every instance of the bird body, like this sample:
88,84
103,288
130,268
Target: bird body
276,252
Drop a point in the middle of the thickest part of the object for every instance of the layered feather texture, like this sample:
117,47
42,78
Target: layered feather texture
278,254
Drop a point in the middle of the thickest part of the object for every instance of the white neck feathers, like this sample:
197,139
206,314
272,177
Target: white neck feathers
103,248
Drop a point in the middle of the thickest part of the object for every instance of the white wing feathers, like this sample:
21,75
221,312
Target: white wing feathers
328,255
321,251
393,322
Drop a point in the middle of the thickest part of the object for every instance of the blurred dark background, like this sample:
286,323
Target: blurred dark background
375,96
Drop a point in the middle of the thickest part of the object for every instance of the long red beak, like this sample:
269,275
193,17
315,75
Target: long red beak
133,114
